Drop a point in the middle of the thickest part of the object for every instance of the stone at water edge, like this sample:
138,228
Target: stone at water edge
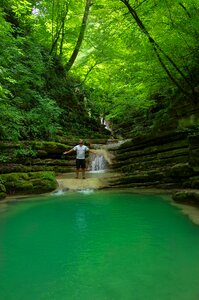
77,184
186,197
2,191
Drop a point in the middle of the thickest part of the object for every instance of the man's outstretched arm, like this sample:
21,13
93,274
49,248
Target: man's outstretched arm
69,151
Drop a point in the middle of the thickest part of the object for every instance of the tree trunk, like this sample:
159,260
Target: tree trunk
60,24
80,37
62,41
158,49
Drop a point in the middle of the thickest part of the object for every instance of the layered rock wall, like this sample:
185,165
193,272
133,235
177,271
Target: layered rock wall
34,156
170,160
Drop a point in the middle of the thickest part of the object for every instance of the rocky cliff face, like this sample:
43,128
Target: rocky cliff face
30,167
34,156
169,160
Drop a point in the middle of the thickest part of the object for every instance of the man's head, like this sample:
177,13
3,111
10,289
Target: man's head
81,142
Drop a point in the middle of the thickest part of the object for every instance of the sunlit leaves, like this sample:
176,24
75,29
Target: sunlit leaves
125,66
118,69
21,7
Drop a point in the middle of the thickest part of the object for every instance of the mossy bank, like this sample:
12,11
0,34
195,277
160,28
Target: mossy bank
27,183
29,167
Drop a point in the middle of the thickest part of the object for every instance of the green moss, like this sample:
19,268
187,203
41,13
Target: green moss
10,168
42,153
43,148
194,157
37,145
134,165
2,191
194,141
27,183
194,182
14,177
43,185
24,187
180,171
189,121
58,170
2,195
8,145
186,197
2,188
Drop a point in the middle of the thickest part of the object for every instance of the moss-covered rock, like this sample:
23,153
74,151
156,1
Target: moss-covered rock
193,141
139,178
180,171
2,195
52,162
153,150
44,148
133,165
2,191
194,157
29,183
42,153
9,145
193,182
11,167
186,197
153,139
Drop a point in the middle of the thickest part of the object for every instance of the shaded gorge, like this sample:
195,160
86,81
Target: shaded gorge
97,245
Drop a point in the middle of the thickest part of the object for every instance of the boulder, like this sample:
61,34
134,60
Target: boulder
29,183
186,197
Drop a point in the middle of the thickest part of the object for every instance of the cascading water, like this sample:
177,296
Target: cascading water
97,163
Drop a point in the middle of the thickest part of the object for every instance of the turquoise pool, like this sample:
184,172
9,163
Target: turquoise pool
95,246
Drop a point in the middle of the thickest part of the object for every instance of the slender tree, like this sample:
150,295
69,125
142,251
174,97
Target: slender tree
59,14
158,50
80,37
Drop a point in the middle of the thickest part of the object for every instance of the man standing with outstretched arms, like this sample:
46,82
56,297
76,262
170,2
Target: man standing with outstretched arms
80,150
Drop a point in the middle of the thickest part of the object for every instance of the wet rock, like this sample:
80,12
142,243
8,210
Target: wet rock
194,182
168,159
180,171
186,197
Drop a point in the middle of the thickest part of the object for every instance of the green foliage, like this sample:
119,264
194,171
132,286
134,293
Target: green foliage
120,64
25,152
117,75
3,158
190,122
164,121
37,100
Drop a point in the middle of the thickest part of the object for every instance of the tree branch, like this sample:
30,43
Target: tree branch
156,47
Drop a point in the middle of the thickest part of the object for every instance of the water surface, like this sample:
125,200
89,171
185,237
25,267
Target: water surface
96,246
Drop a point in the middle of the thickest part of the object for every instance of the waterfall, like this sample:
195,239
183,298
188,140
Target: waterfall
102,158
97,163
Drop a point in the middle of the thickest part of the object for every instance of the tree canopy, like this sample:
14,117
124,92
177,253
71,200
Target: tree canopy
65,64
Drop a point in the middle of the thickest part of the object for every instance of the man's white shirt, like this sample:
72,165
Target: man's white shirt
80,151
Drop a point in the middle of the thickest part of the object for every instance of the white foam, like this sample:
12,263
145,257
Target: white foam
58,192
97,171
86,191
